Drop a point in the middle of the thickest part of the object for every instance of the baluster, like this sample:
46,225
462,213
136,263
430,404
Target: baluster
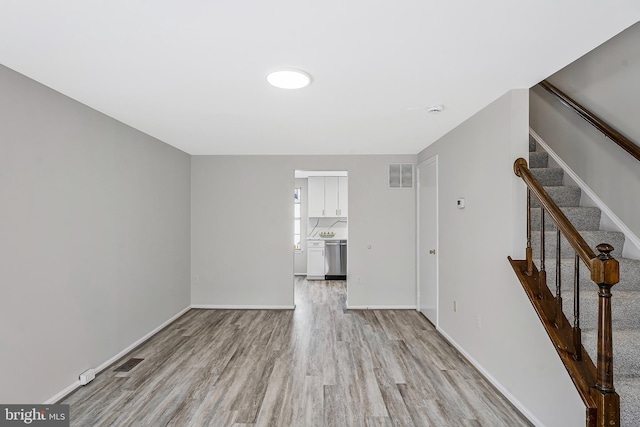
577,333
529,249
559,322
542,275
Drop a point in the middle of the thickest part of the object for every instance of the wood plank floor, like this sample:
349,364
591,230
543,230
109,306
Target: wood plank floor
319,365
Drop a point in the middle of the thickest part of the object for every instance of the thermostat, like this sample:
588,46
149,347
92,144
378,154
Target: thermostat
460,203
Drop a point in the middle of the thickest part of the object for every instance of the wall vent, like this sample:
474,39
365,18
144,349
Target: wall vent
400,175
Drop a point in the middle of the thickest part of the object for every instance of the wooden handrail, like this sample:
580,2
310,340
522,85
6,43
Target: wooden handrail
605,272
625,143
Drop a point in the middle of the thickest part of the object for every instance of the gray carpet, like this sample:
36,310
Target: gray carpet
626,294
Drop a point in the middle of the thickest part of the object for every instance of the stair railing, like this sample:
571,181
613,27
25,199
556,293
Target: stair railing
625,143
593,382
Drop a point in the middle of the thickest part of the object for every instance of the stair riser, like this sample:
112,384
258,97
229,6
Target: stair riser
623,310
626,346
549,176
593,239
582,218
538,159
563,196
629,276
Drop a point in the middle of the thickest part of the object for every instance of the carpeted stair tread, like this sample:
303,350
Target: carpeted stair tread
532,144
538,159
565,195
550,177
582,218
593,239
627,387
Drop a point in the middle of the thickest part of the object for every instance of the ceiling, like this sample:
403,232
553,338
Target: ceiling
192,73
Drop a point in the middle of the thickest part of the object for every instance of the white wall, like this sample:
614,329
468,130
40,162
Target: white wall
242,226
604,81
94,238
511,346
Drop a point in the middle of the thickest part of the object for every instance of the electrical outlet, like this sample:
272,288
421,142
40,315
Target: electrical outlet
455,305
478,321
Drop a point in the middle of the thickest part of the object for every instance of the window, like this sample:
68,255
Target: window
296,220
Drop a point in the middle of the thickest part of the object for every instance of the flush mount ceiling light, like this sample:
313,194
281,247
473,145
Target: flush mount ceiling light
289,79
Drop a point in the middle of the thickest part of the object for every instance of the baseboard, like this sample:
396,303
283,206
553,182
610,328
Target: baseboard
114,358
60,395
630,236
243,307
381,307
515,402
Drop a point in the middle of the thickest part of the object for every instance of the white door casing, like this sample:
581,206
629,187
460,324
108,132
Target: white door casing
428,239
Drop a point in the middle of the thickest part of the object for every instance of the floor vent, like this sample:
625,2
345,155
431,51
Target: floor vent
128,365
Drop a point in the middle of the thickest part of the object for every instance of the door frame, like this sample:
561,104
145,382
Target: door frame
429,161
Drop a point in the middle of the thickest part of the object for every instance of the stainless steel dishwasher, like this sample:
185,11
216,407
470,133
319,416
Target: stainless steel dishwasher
336,258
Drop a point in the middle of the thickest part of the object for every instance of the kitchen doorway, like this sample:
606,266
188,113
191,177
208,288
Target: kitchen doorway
321,224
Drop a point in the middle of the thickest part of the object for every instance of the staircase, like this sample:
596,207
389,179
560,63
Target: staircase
626,294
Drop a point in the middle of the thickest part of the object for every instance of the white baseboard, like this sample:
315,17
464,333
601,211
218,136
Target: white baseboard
381,307
523,409
62,393
114,358
632,242
243,307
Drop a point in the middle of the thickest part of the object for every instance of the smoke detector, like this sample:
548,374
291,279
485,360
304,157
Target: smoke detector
435,109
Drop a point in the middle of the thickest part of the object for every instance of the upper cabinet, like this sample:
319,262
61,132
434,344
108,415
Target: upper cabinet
328,196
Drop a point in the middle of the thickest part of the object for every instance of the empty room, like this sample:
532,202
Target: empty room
295,214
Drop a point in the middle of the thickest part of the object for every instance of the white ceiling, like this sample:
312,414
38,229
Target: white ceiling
192,73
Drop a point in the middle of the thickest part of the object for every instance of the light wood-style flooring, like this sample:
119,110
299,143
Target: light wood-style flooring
319,365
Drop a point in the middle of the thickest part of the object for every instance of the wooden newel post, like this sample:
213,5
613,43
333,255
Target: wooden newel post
605,272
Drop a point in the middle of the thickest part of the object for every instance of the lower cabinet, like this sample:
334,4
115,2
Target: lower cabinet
315,260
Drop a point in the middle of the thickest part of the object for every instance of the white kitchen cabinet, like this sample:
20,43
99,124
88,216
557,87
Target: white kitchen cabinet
315,195
315,260
327,196
343,206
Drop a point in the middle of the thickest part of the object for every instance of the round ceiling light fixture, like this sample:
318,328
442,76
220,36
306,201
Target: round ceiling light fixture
289,79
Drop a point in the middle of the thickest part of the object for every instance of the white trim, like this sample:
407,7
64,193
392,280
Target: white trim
629,235
381,307
62,393
523,409
433,159
115,358
243,307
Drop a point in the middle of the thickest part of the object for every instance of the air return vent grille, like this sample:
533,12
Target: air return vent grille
400,175
128,365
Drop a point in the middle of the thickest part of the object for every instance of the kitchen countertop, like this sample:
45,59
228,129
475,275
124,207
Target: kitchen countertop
336,237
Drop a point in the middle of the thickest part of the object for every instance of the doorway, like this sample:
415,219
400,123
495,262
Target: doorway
321,216
428,239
